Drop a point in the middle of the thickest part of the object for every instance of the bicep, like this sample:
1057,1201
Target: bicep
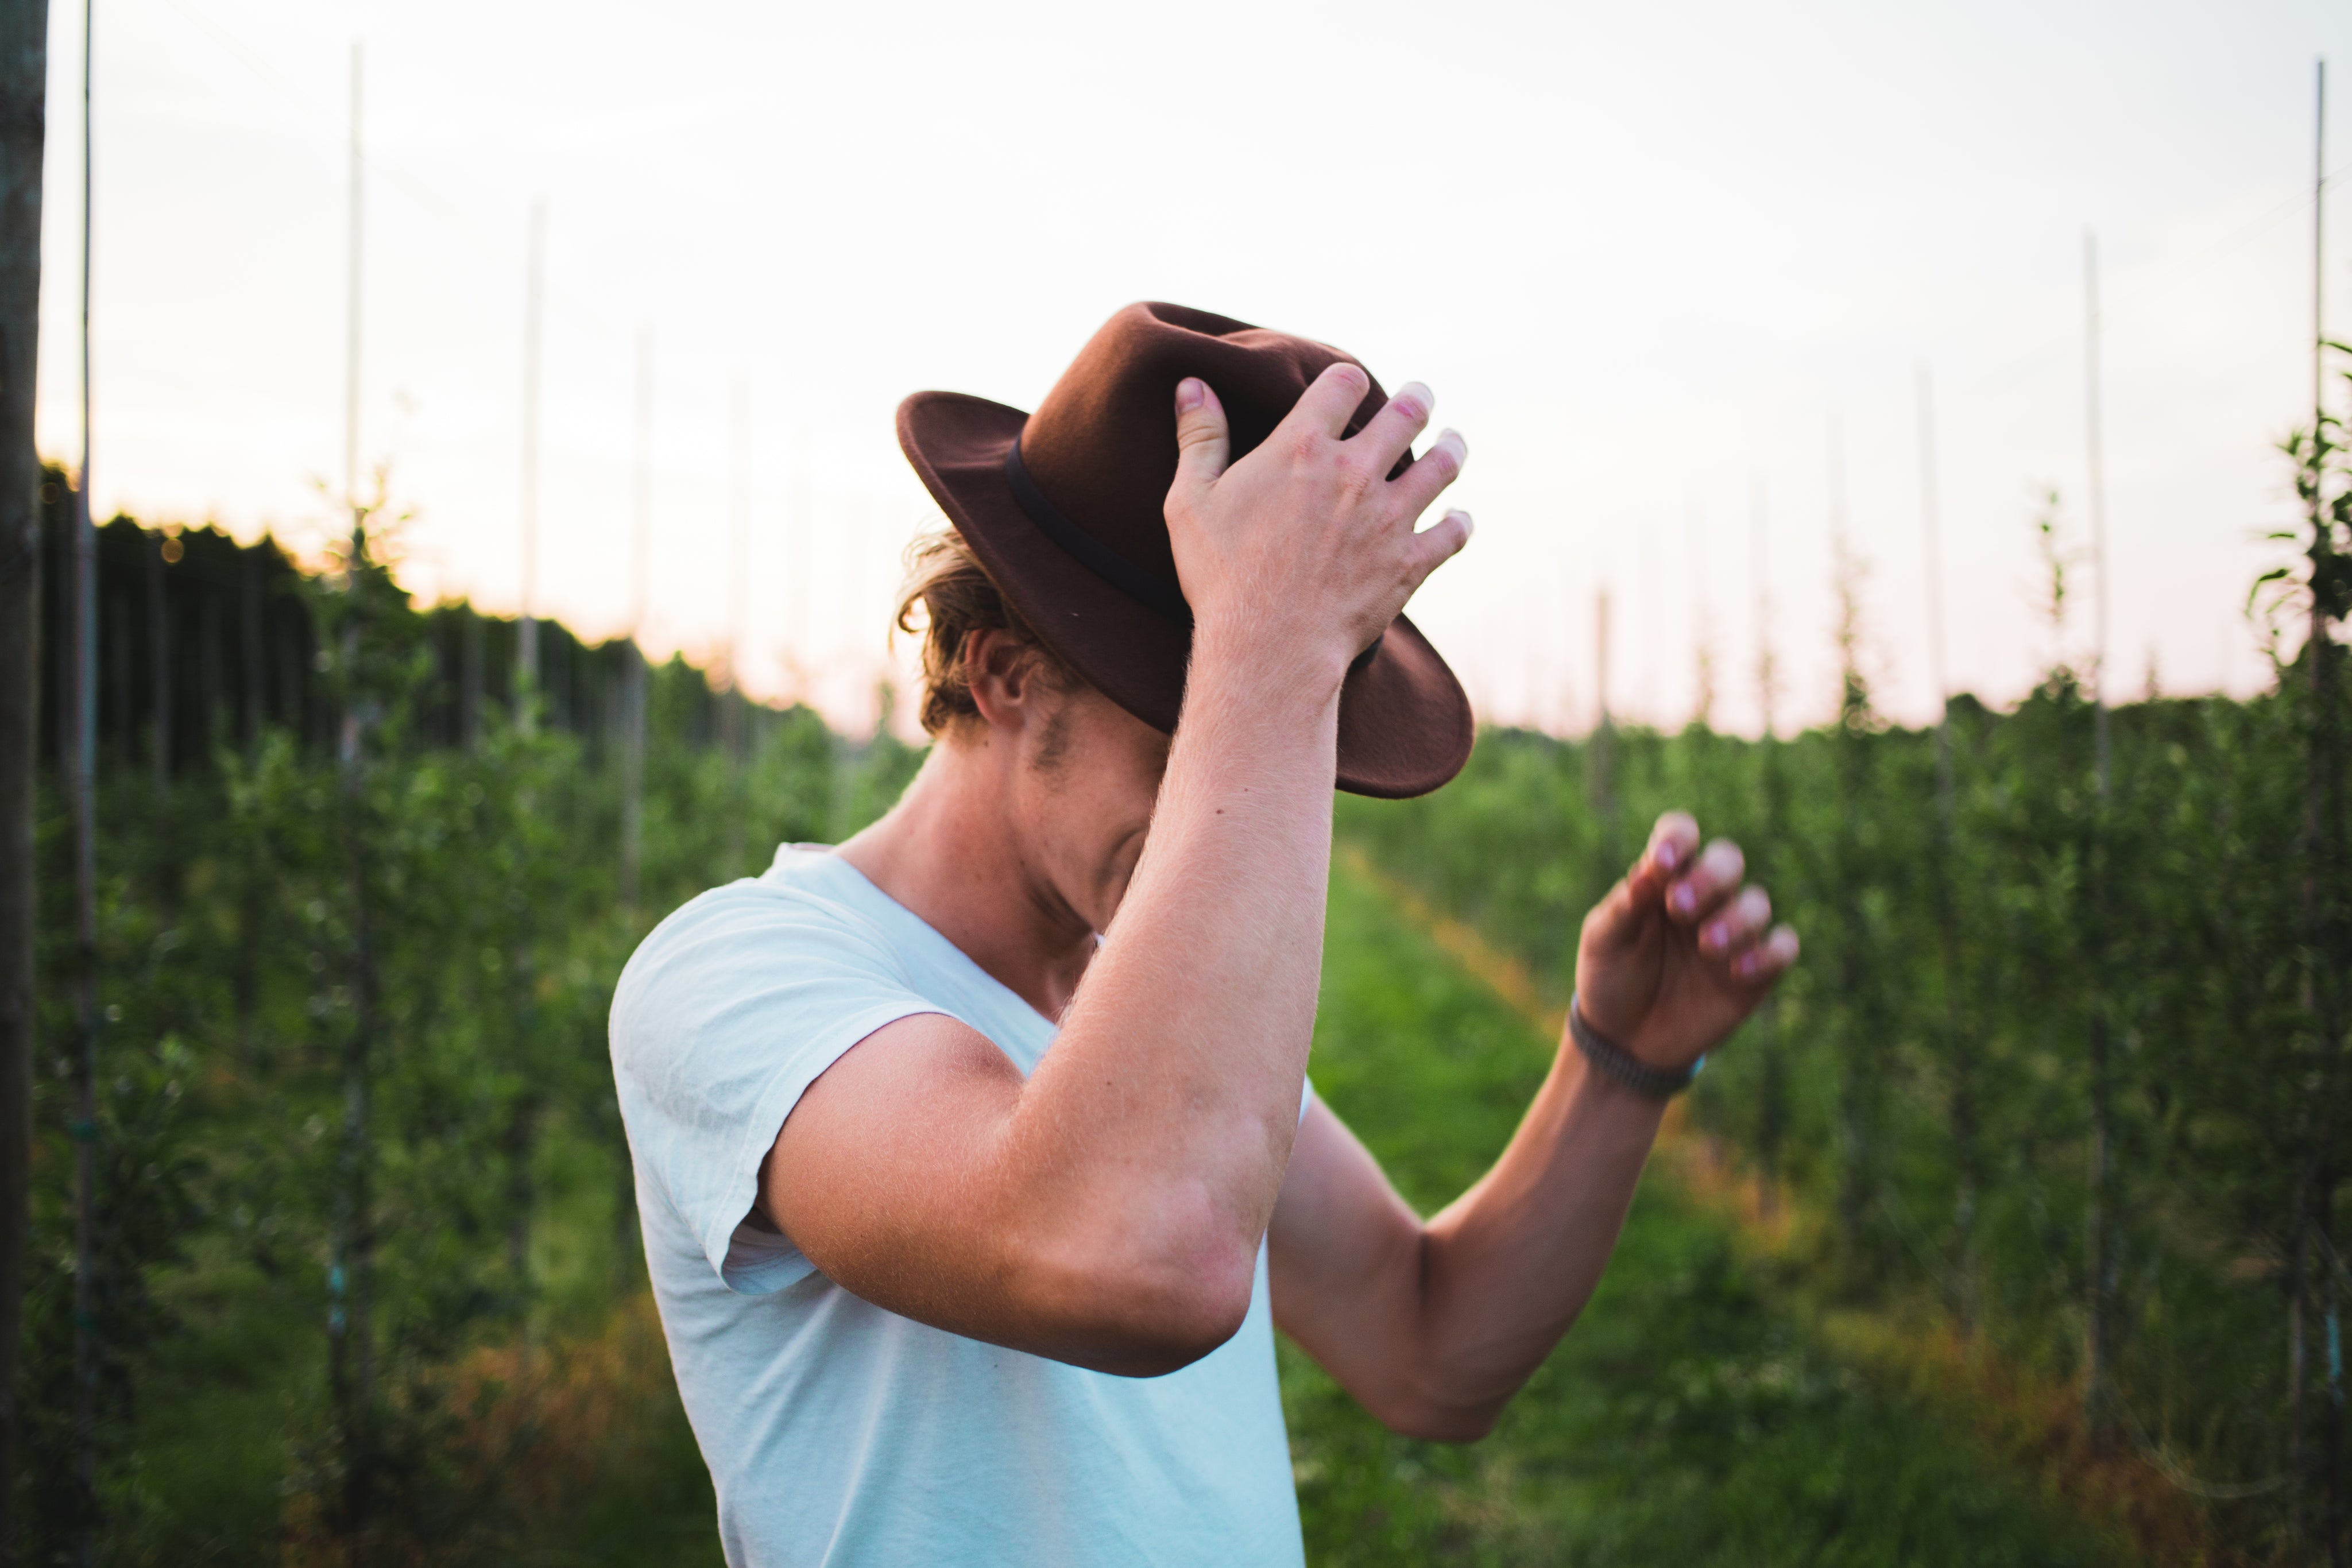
880,1175
1345,1261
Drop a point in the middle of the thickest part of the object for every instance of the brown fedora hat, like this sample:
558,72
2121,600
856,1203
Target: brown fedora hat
1065,510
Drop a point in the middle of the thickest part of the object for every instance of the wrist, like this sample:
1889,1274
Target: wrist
1267,659
1622,1066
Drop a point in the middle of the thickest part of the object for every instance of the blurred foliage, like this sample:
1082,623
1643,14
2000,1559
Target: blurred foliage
355,978
1922,1076
363,1254
1687,1418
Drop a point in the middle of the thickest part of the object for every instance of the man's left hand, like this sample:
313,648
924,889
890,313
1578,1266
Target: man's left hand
1680,951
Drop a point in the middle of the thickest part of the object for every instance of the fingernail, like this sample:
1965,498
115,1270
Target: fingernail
1716,935
1744,966
1416,400
1685,898
1670,854
1469,526
1189,393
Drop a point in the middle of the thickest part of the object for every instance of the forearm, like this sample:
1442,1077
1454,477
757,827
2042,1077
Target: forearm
1506,1268
1171,1094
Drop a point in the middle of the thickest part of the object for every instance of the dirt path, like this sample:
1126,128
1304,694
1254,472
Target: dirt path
1911,1345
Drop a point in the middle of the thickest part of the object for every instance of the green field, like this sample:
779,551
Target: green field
1687,1419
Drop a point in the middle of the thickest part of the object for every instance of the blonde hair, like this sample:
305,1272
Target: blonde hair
957,598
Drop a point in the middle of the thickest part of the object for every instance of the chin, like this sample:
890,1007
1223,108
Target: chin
1122,876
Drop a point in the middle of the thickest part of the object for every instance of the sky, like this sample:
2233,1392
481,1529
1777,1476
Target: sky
1679,275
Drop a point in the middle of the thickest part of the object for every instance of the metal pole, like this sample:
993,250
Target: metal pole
2098,495
1962,1116
527,627
1931,528
1759,526
23,91
2099,1248
739,530
2318,1173
85,826
352,319
732,719
633,738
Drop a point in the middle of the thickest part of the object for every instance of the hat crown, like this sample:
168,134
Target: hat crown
1102,446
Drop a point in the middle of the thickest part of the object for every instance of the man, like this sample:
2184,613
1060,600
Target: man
976,1157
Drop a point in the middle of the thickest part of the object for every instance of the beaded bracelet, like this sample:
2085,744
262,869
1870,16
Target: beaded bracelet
1615,1061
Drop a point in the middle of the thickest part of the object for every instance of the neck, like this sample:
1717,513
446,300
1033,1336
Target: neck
951,852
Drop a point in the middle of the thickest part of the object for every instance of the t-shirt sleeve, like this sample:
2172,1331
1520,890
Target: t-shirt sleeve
720,1022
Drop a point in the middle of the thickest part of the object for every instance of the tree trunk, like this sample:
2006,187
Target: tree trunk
24,84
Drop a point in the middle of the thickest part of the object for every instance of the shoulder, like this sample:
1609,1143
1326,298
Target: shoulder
798,926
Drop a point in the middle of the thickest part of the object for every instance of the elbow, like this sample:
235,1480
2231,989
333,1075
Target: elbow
1147,1310
1440,1424
1164,1321
1426,1407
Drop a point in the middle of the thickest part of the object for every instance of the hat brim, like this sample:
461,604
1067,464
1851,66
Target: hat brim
1405,725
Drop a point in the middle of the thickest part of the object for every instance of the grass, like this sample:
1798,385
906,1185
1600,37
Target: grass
1688,1418
592,1458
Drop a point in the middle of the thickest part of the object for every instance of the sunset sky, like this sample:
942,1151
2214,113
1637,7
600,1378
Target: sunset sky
1672,271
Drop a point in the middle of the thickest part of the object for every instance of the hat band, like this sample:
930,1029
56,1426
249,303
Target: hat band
1144,587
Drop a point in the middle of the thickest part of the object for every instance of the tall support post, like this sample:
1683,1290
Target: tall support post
2098,1239
526,690
2095,468
354,251
1860,1097
349,1274
159,664
633,694
1772,1109
731,717
1931,542
796,576
84,787
1603,778
2332,1457
1959,1063
1703,671
24,87
1759,566
2318,1467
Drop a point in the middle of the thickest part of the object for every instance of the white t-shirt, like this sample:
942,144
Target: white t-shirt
837,1432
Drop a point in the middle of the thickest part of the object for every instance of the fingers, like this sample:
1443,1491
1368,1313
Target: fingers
1732,920
1763,962
1672,841
1698,893
1203,440
1330,401
1433,470
1433,545
1743,919
1390,433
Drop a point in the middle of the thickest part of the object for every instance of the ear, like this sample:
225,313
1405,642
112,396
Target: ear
1004,674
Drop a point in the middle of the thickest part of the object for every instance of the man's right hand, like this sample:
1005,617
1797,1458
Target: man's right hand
1305,550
